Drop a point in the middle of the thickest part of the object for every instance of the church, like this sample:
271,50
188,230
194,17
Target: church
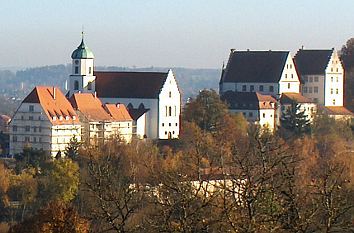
154,94
97,106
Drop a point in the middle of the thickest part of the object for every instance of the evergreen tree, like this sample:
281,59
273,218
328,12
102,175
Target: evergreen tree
72,150
295,120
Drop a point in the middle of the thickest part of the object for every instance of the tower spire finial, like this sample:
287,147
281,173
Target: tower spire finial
82,32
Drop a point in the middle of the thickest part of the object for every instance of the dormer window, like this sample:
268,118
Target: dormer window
67,118
54,118
74,117
60,118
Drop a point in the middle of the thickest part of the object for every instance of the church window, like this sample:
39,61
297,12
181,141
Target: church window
76,85
292,76
89,86
170,94
76,69
169,111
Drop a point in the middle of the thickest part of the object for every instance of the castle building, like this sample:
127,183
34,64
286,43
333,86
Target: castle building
45,120
322,74
255,107
267,72
156,92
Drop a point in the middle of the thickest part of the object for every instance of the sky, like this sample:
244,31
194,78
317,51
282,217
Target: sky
166,33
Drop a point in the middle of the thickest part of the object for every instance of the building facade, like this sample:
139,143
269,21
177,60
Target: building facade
45,120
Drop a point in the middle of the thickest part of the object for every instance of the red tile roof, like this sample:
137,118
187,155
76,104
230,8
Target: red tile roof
129,84
90,106
338,110
287,98
54,104
118,112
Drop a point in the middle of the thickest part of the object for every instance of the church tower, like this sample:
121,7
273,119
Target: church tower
82,78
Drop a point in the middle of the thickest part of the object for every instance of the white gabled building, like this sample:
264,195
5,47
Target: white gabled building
255,107
322,74
45,120
266,72
157,92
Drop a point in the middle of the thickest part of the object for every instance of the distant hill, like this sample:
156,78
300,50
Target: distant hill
14,86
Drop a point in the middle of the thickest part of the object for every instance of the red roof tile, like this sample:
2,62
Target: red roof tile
118,112
90,106
287,98
54,104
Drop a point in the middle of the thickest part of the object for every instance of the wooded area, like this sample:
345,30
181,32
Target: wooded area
222,175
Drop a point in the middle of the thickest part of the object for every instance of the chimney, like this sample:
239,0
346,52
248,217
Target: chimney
54,95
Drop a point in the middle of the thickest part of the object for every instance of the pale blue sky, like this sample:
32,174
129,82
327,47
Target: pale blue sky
171,33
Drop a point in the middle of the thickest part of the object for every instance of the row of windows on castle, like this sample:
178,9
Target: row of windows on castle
315,90
260,88
316,78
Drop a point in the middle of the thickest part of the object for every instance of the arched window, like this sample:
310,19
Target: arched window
76,85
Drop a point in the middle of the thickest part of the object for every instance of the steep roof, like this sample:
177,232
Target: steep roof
248,100
145,85
90,106
54,104
255,66
118,112
287,98
312,61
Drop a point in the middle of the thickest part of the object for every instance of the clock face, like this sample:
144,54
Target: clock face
76,62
